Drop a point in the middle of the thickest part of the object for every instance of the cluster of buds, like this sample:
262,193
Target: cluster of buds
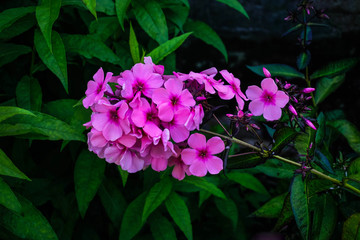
242,120
309,8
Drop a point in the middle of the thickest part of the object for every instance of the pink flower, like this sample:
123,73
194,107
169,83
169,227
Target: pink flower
95,89
161,152
206,77
195,118
177,129
267,101
200,155
180,168
128,159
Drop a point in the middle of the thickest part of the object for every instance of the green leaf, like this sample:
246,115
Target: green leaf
90,47
354,167
351,228
9,52
248,181
297,27
271,209
335,68
228,208
282,137
134,46
203,196
205,33
88,175
235,5
91,5
177,14
7,168
8,198
104,27
300,205
303,141
106,6
349,131
30,224
10,16
303,60
180,214
151,18
46,14
7,112
18,27
286,214
121,6
245,161
277,70
28,94
325,86
324,220
124,175
166,48
277,169
55,60
204,184
131,223
157,194
161,228
323,161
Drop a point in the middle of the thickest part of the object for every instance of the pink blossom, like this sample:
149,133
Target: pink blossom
161,152
195,118
177,129
95,89
128,159
267,100
180,168
206,77
157,68
200,155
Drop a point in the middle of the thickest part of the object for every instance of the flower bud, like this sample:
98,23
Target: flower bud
266,73
292,110
308,90
309,123
287,86
200,98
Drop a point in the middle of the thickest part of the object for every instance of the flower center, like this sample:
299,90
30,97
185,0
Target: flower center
114,116
99,88
139,86
268,98
203,154
174,100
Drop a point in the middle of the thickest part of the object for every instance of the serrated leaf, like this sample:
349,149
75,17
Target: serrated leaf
8,198
335,68
7,112
18,27
349,131
180,214
88,175
324,220
204,184
300,205
7,168
30,224
277,70
104,27
10,16
124,175
167,48
121,6
28,94
9,52
205,33
244,161
157,194
282,137
46,14
91,5
303,59
248,181
161,228
235,4
55,60
134,46
151,18
228,208
325,86
351,228
131,223
272,208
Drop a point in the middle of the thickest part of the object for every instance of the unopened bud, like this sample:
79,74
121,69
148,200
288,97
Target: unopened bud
266,73
292,110
287,86
201,98
295,100
229,115
240,114
309,123
308,90
254,125
308,98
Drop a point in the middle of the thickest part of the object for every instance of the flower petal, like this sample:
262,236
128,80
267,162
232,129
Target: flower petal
215,145
253,92
214,165
256,107
281,99
179,133
99,76
272,112
166,112
198,169
187,99
269,84
160,95
178,172
188,156
151,129
174,86
112,131
197,141
139,117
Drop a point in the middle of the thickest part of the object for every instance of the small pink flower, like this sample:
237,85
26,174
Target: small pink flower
180,168
267,100
195,118
178,131
200,155
206,77
128,159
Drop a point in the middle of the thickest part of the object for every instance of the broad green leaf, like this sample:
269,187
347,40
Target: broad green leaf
124,175
161,228
204,184
112,200
180,214
323,161
30,224
7,112
62,109
325,86
46,14
316,186
203,196
324,220
282,137
303,60
9,52
157,194
286,214
244,161
351,228
248,181
228,208
277,169
28,94
335,68
88,175
18,27
177,14
235,4
300,205
91,5
8,198
90,47
271,209
321,131
10,16
134,46
303,141
55,60
151,18
106,6
7,168
121,6
131,223
349,131
277,70
354,167
166,48
205,33
104,27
